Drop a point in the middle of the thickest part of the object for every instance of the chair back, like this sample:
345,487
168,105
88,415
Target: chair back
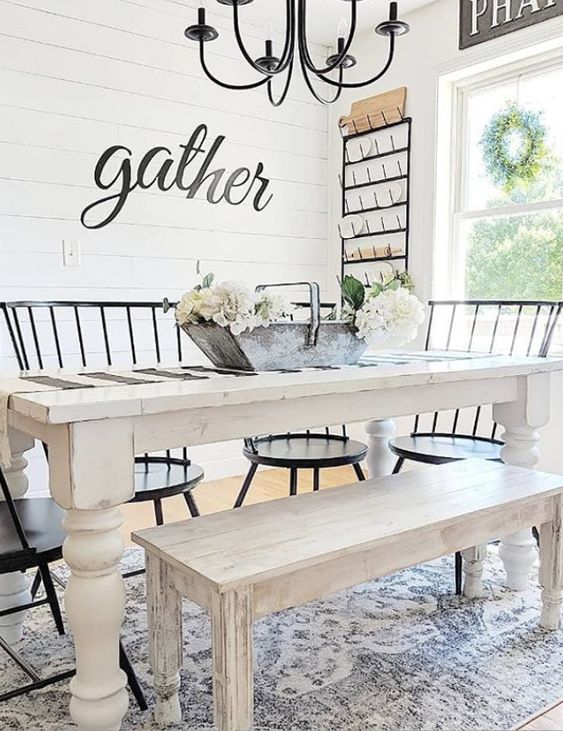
496,327
64,334
90,334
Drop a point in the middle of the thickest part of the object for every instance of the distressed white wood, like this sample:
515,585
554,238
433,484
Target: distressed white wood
119,421
95,605
521,418
551,568
473,570
14,588
231,628
95,462
274,555
164,609
380,459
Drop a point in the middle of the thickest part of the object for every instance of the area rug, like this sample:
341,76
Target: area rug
398,653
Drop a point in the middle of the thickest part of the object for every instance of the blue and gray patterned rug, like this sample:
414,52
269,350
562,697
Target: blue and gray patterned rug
398,653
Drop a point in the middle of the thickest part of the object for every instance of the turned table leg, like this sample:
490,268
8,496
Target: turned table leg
91,467
231,627
15,588
380,459
164,606
521,419
551,569
95,606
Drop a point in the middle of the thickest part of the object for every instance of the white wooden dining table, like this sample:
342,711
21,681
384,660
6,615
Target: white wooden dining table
93,435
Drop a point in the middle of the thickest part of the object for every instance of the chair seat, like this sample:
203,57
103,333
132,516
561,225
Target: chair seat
442,448
306,452
159,479
41,519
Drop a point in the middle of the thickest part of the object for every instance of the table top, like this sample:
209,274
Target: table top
388,369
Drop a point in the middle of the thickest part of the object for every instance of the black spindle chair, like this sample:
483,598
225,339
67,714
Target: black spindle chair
498,327
310,450
31,537
104,334
294,451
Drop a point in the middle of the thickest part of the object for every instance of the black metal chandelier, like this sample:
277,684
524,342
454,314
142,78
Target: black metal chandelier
270,66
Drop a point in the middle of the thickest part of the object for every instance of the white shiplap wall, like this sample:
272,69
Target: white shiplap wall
77,77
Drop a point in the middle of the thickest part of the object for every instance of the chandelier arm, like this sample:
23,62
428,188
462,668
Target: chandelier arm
359,84
286,56
224,84
312,89
303,44
280,101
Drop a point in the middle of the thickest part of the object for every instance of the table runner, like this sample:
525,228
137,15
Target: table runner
60,380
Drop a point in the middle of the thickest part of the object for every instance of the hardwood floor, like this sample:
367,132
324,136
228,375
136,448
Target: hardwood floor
269,485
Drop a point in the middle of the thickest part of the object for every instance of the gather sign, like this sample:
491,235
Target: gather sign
190,172
483,20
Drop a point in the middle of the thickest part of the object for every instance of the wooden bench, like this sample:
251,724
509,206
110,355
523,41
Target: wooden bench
247,563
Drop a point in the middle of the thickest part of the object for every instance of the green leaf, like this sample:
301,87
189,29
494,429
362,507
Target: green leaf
208,280
394,284
376,289
353,292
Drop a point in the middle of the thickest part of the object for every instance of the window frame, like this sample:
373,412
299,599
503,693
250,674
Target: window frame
459,213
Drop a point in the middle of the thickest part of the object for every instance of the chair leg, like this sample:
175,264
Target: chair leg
359,472
241,497
192,505
458,573
293,481
52,598
158,511
36,584
134,685
316,480
398,466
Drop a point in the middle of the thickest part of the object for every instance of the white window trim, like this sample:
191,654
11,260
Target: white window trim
449,270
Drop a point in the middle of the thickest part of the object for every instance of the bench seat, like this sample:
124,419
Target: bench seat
248,563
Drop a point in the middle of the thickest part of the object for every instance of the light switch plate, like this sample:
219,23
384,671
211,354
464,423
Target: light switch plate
71,253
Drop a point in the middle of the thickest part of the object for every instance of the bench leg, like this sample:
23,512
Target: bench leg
551,573
231,618
473,571
164,606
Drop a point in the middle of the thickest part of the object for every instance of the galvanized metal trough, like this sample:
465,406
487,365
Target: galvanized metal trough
282,345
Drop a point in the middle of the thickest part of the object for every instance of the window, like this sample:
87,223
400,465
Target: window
508,244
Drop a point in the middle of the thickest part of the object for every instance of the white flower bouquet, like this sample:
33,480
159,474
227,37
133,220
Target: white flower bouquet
233,305
387,313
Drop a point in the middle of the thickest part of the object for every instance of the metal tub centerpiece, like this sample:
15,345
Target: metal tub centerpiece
283,344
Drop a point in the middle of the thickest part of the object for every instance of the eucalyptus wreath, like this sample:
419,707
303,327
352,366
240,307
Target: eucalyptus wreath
508,167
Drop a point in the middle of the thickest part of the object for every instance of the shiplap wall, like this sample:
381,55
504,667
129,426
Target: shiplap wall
77,77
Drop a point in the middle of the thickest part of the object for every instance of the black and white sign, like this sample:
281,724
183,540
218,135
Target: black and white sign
483,20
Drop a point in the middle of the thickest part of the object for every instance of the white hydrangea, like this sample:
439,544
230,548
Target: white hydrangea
232,305
394,315
271,306
196,305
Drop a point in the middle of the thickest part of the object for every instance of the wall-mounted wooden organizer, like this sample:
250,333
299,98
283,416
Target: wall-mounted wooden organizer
375,182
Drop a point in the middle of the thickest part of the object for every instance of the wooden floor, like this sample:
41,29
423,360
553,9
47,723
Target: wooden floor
269,485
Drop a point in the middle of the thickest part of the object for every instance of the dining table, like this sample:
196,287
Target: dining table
95,423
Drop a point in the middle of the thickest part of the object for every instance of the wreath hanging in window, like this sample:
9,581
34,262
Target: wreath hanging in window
514,147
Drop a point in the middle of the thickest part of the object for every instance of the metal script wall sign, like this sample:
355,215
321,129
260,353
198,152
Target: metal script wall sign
115,170
483,20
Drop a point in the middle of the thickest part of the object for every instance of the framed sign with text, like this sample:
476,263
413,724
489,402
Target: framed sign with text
483,20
